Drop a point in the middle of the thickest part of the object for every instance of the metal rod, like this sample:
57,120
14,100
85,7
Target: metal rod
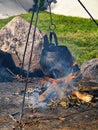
88,13
31,52
22,64
52,26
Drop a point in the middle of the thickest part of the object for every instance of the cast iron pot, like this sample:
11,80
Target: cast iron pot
57,61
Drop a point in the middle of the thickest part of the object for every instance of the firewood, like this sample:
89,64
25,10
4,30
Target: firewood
83,96
55,83
59,80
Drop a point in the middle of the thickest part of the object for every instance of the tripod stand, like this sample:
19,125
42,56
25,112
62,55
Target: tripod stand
88,13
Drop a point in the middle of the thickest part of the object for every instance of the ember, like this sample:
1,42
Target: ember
64,86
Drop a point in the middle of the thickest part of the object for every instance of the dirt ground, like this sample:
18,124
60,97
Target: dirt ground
79,116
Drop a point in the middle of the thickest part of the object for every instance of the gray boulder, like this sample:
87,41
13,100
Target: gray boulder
13,39
89,70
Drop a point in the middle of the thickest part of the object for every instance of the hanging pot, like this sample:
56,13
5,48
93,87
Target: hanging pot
56,61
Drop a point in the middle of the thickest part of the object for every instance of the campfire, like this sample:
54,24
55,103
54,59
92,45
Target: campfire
58,63
55,90
51,93
63,86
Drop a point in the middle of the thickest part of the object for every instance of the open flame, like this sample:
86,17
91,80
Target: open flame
75,63
66,79
56,85
55,90
67,84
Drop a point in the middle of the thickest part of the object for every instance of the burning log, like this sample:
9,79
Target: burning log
56,84
64,79
83,96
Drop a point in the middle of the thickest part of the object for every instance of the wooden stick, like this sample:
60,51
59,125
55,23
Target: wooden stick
84,97
66,80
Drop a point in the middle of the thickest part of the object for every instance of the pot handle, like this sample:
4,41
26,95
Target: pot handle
53,34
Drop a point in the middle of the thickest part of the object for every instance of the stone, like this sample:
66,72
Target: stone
13,38
89,70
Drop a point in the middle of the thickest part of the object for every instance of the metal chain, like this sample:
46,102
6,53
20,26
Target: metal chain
52,26
31,53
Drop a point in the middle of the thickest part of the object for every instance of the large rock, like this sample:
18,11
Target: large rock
89,70
13,39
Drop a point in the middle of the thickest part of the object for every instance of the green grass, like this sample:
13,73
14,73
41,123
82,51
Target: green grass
78,34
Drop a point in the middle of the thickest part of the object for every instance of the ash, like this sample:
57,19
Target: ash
48,92
32,100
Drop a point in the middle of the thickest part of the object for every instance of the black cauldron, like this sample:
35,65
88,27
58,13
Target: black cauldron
57,61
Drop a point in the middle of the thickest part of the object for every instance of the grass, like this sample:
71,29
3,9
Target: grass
78,34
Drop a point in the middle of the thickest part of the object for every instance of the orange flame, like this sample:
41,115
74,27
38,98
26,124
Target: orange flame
75,63
66,79
54,83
